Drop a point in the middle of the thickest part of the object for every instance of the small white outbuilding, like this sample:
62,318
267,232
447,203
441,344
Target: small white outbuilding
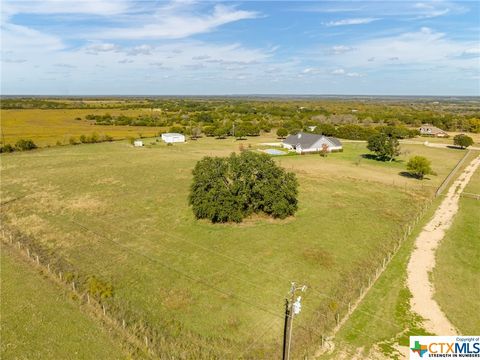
138,143
173,138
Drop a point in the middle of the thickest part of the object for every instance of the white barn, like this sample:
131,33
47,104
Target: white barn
308,143
173,138
138,143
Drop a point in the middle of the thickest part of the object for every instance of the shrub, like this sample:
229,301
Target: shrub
462,140
231,188
108,138
282,133
24,145
98,288
7,148
419,166
72,141
83,139
93,138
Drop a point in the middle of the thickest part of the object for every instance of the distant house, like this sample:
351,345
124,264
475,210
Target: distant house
138,143
307,143
427,129
173,138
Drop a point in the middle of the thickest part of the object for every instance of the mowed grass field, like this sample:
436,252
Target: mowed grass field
384,320
456,275
46,127
121,213
39,323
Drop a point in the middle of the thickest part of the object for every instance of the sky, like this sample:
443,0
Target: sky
131,47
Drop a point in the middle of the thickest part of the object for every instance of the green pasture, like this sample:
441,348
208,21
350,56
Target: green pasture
121,213
40,322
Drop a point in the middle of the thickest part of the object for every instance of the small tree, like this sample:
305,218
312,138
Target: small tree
282,133
419,166
221,133
324,151
462,140
240,133
24,145
384,146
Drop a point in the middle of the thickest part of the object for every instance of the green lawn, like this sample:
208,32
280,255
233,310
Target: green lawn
215,290
456,275
38,322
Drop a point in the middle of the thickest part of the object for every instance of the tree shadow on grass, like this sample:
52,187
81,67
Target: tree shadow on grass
412,176
455,147
379,158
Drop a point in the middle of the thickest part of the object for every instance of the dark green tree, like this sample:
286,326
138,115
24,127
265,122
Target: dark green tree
384,146
462,140
229,189
282,133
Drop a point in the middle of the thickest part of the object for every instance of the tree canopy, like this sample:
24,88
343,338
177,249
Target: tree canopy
462,140
384,146
230,188
419,166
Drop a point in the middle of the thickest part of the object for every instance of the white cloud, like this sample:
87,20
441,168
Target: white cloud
338,72
425,47
354,21
94,49
176,25
45,7
340,49
353,74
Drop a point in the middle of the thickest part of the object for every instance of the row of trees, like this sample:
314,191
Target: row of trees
20,145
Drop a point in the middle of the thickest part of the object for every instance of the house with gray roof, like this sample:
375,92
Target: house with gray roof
428,129
308,143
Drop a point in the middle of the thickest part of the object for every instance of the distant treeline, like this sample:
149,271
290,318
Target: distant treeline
450,115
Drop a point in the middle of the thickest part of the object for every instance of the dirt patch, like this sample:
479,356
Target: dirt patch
422,260
177,299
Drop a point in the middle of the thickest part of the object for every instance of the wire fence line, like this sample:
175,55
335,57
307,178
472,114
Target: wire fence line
452,173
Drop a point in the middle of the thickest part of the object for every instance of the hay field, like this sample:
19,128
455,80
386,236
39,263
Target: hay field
46,127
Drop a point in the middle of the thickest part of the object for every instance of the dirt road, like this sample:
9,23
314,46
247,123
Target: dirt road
422,260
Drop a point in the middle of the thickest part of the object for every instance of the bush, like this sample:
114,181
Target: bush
98,288
72,141
24,145
83,139
282,133
462,140
7,148
419,166
231,188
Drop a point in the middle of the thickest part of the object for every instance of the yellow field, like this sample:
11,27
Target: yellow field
46,127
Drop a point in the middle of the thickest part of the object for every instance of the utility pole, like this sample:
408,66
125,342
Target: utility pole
292,307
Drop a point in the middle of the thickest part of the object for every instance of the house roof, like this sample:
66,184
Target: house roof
334,140
433,129
306,140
